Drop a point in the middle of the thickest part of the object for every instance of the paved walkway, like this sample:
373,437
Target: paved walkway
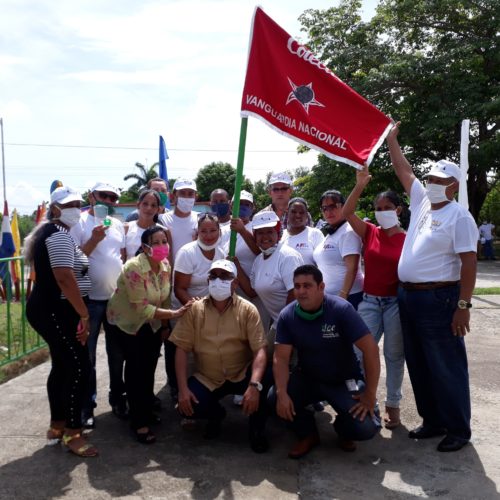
183,465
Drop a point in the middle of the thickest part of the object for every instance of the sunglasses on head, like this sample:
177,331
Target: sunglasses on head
207,215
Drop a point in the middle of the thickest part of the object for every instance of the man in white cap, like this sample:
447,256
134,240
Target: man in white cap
437,271
102,239
182,221
225,335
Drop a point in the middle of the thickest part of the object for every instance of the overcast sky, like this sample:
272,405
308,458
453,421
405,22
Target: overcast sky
111,76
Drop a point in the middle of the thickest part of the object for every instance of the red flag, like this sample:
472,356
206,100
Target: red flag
288,88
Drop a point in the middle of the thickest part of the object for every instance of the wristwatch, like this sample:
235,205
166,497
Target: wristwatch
257,385
463,304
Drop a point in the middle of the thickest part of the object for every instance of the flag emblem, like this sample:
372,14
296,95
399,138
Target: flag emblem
304,94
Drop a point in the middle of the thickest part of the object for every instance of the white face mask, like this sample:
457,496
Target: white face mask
70,216
436,193
269,251
206,247
387,218
219,289
185,205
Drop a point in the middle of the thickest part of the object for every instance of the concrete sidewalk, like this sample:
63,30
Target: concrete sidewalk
183,465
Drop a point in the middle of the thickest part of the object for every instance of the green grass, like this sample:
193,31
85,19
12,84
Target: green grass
494,290
32,341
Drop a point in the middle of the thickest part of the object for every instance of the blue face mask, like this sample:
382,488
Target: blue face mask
245,211
220,209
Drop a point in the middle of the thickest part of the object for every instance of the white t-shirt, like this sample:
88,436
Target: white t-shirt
272,278
133,238
485,231
329,257
434,240
105,263
190,260
182,229
305,242
225,235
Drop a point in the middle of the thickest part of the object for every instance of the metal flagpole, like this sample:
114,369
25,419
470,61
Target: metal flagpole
3,163
238,181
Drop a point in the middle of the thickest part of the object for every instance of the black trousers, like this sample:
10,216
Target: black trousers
141,357
69,376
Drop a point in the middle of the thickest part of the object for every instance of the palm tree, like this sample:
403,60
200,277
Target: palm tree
145,175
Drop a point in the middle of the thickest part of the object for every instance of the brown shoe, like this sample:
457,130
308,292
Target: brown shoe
346,444
391,417
304,446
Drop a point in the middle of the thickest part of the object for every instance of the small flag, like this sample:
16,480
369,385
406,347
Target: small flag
7,247
288,88
15,265
163,167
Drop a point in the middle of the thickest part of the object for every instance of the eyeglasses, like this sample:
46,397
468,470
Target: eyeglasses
107,196
329,208
282,189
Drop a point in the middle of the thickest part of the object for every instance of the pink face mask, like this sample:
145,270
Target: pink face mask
159,252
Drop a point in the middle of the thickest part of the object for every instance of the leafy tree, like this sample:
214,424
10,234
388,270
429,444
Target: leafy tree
26,223
491,208
428,63
145,175
218,175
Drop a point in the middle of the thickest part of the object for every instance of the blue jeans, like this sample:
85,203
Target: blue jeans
488,251
304,391
436,359
381,315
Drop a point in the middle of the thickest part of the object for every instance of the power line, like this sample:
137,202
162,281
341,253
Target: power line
82,146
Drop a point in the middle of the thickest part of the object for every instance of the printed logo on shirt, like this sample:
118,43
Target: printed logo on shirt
301,245
329,331
328,247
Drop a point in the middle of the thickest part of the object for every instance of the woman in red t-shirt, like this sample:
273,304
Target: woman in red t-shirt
382,246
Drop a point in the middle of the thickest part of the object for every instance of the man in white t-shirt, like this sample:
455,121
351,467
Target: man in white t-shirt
437,271
182,221
102,239
486,230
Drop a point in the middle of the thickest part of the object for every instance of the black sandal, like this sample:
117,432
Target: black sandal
145,437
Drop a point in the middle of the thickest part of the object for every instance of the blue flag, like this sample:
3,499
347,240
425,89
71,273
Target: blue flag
163,167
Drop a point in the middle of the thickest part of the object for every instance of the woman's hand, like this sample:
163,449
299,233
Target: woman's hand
177,313
82,330
363,177
393,133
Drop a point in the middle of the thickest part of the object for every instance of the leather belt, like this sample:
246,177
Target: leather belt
429,285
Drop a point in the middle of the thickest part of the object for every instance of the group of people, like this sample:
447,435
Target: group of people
287,325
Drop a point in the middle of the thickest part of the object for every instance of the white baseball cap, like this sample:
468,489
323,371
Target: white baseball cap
280,177
245,195
265,219
226,265
445,169
105,187
65,194
184,184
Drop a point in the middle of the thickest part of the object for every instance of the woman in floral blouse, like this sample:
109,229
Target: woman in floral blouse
138,315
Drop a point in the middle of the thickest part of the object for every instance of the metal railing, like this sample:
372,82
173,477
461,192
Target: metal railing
17,338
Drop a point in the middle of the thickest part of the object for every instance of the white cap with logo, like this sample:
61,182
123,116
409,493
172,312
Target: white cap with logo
245,195
282,177
445,169
226,265
184,184
105,187
265,219
65,194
